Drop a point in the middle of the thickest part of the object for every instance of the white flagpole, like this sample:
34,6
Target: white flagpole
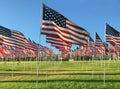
12,64
104,61
37,74
94,56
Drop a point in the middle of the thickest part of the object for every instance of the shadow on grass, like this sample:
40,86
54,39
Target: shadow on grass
12,70
57,70
58,80
50,70
54,73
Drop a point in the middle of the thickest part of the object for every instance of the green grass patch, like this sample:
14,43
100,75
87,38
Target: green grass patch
60,75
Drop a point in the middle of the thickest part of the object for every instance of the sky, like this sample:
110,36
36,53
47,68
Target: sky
26,16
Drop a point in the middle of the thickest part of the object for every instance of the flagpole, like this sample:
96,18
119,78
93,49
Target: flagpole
12,64
104,64
94,56
37,74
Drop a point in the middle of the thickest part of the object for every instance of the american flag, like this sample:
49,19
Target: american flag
56,24
112,35
99,45
5,31
11,38
98,41
91,42
18,39
5,36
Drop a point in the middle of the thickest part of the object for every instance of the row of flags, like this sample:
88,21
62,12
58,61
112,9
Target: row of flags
93,48
62,33
14,44
99,48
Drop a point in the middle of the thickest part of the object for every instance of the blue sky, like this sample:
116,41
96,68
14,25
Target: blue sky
25,15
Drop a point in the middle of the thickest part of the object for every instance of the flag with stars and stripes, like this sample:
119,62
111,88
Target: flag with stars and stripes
91,42
98,41
56,24
5,31
112,35
5,36
11,38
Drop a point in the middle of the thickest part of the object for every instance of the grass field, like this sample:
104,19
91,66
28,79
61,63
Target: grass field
60,75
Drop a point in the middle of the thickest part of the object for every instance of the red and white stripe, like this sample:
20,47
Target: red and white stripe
71,34
56,40
18,39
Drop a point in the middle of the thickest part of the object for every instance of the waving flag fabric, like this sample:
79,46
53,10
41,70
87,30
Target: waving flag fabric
5,36
56,24
11,37
18,39
98,41
5,31
56,40
112,35
91,42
